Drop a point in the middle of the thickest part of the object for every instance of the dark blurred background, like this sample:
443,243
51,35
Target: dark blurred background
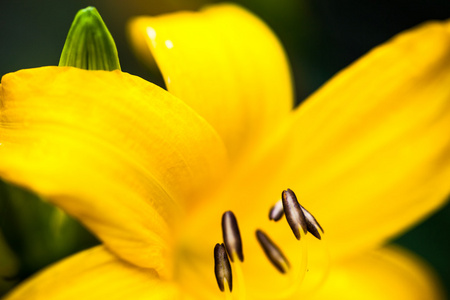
320,36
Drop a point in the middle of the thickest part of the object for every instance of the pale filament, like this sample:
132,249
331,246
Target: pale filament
240,293
295,275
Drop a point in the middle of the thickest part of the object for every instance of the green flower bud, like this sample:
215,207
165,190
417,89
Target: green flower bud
89,45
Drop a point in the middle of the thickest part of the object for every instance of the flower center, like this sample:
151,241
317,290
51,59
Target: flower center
300,221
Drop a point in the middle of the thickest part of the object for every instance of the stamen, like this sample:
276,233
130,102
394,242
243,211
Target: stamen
294,213
294,276
272,252
276,212
232,236
312,224
222,268
240,291
233,244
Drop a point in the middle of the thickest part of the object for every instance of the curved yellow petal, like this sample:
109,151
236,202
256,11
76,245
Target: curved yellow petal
111,149
226,64
94,274
367,155
389,273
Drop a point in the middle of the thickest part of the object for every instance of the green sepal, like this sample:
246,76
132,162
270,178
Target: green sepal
89,45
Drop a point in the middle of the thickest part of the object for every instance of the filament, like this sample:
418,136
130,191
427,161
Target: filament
324,269
240,292
228,295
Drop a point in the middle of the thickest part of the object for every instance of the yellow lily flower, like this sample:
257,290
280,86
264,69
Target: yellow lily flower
151,175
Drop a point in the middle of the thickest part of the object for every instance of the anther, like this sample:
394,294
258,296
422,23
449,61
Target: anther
232,236
276,212
311,223
272,252
294,213
222,267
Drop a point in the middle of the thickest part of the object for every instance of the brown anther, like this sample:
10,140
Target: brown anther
276,212
232,236
272,252
222,267
294,213
312,224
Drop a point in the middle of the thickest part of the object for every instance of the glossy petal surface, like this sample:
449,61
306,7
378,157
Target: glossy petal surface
95,274
226,64
111,149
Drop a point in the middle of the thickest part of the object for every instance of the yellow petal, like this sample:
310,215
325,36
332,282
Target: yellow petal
390,273
111,149
226,64
94,274
367,155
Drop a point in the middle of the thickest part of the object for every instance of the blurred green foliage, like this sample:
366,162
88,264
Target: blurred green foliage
34,234
9,266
